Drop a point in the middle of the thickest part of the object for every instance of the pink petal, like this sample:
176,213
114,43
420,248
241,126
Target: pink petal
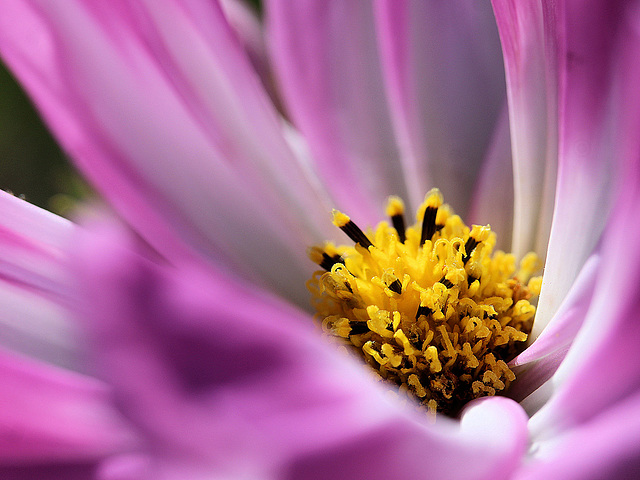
245,23
589,132
159,106
52,415
494,185
443,67
37,326
527,32
607,447
601,368
54,471
541,359
34,283
222,378
32,243
326,58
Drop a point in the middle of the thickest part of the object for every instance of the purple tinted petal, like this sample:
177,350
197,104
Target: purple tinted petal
52,415
159,106
245,23
602,363
326,58
443,68
494,185
33,283
607,447
541,359
528,42
394,450
34,325
589,134
32,243
55,471
602,366
221,378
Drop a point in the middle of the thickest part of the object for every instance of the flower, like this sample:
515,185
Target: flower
161,108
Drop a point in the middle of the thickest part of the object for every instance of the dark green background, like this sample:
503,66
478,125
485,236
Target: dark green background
31,163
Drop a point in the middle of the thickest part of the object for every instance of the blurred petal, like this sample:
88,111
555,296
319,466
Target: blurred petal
527,33
399,450
53,471
245,23
38,327
443,68
604,448
32,243
223,378
326,58
33,283
161,109
52,415
494,185
589,134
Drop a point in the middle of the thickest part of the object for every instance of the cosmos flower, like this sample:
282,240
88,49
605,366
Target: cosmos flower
222,156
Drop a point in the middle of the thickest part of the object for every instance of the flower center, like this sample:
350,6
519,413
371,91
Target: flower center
428,307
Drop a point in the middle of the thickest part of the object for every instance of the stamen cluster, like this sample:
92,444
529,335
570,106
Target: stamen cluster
428,307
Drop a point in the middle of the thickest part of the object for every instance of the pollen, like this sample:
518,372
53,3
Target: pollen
431,307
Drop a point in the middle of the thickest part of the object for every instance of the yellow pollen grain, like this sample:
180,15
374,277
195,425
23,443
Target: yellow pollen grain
340,219
395,206
433,198
435,319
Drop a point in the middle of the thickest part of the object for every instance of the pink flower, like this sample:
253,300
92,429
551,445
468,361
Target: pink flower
198,322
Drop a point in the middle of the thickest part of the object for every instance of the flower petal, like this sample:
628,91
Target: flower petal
245,23
494,185
606,447
54,471
220,377
527,35
38,327
443,67
393,451
325,55
159,106
601,368
32,245
34,283
589,134
541,359
52,415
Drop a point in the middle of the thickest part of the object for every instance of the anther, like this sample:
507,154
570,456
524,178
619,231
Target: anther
395,210
433,201
328,261
344,223
396,286
325,258
477,235
445,282
423,310
469,247
358,328
428,224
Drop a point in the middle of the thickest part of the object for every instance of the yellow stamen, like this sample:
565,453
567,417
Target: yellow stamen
431,309
395,206
340,219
